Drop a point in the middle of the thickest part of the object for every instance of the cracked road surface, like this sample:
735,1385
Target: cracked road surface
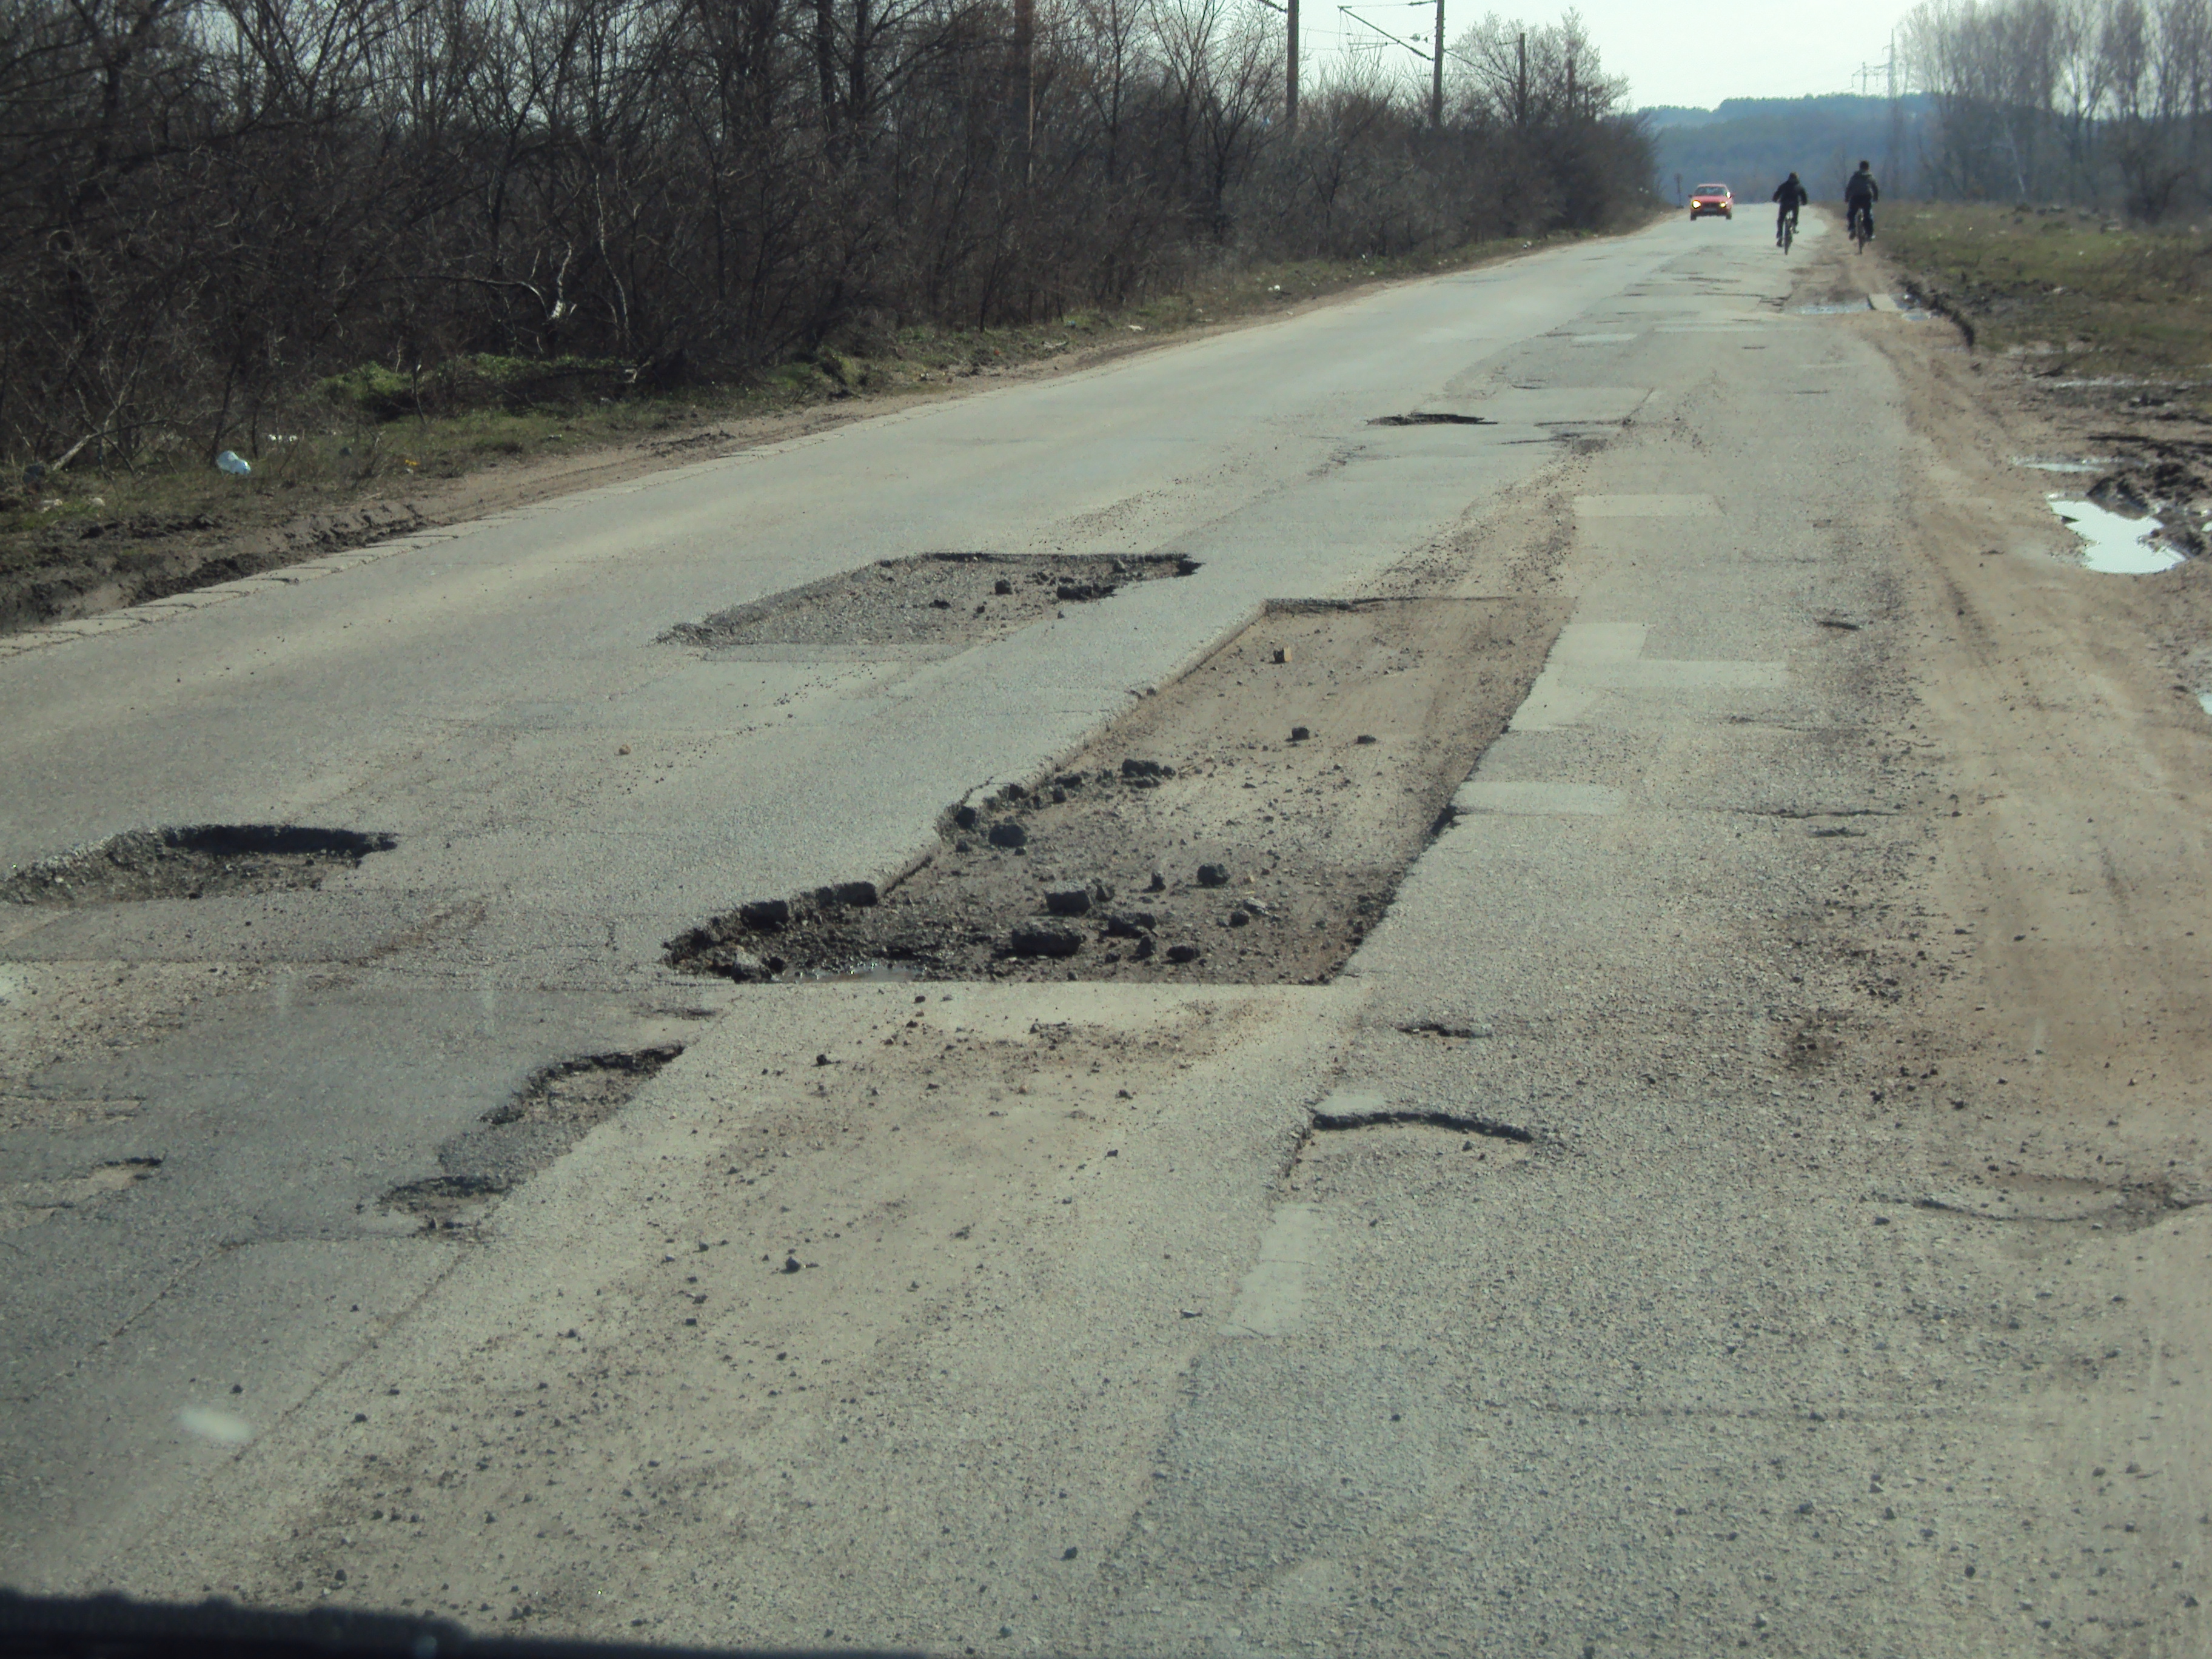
1743,1194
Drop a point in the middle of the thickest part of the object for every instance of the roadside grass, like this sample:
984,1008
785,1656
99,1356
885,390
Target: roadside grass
2067,292
372,433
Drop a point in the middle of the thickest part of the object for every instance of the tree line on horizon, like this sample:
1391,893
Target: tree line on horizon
207,204
2087,101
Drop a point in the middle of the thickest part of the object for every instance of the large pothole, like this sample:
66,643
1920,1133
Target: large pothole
196,861
1248,824
555,1109
936,602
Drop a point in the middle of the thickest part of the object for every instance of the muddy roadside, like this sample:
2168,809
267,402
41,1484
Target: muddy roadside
2090,392
2040,1008
76,544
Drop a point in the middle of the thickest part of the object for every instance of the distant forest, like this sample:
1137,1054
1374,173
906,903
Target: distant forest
206,204
1752,144
2101,101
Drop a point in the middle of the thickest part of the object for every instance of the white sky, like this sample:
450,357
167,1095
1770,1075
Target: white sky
1671,52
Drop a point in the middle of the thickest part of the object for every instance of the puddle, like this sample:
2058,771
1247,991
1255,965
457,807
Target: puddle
2083,464
2113,542
196,861
868,973
1832,310
937,602
1248,824
2076,382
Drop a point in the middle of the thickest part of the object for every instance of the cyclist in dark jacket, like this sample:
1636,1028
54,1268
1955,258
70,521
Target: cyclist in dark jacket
1860,194
1792,195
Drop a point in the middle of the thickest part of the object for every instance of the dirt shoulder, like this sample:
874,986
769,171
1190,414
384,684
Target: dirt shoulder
326,476
2058,702
2050,963
2093,389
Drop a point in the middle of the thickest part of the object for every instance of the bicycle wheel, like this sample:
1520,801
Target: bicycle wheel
1789,233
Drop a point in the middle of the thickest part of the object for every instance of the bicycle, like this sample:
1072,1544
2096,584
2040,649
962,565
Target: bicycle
1788,232
1862,228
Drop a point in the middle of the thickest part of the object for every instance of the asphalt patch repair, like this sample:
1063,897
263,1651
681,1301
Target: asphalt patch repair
1247,825
934,604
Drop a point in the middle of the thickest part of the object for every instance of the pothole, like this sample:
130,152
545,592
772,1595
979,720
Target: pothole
196,861
1440,1031
1396,1152
554,1108
24,1204
1429,1117
938,602
1249,823
1432,417
2118,1207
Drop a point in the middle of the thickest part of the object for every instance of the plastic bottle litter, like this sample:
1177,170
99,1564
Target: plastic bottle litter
232,463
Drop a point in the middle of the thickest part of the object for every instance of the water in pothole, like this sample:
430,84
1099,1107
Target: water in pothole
2059,464
866,973
2113,542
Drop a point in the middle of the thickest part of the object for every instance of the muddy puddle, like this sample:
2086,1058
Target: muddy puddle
199,861
936,603
1249,823
1900,305
2115,542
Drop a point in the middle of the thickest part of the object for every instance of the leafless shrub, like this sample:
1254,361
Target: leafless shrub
2106,101
205,205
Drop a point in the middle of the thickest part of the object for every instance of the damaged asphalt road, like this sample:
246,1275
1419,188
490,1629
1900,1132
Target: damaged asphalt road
1637,1218
1208,835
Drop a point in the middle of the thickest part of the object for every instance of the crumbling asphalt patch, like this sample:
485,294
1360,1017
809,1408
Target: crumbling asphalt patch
939,602
554,1108
1248,824
196,861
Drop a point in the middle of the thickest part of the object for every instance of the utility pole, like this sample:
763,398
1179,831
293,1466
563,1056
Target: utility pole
1436,76
1291,84
1895,136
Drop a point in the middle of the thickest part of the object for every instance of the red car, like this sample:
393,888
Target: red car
1712,199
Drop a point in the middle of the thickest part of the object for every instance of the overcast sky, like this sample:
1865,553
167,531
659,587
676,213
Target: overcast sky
1671,53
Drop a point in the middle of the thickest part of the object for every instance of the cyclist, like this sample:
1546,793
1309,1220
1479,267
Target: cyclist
1792,195
1860,194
